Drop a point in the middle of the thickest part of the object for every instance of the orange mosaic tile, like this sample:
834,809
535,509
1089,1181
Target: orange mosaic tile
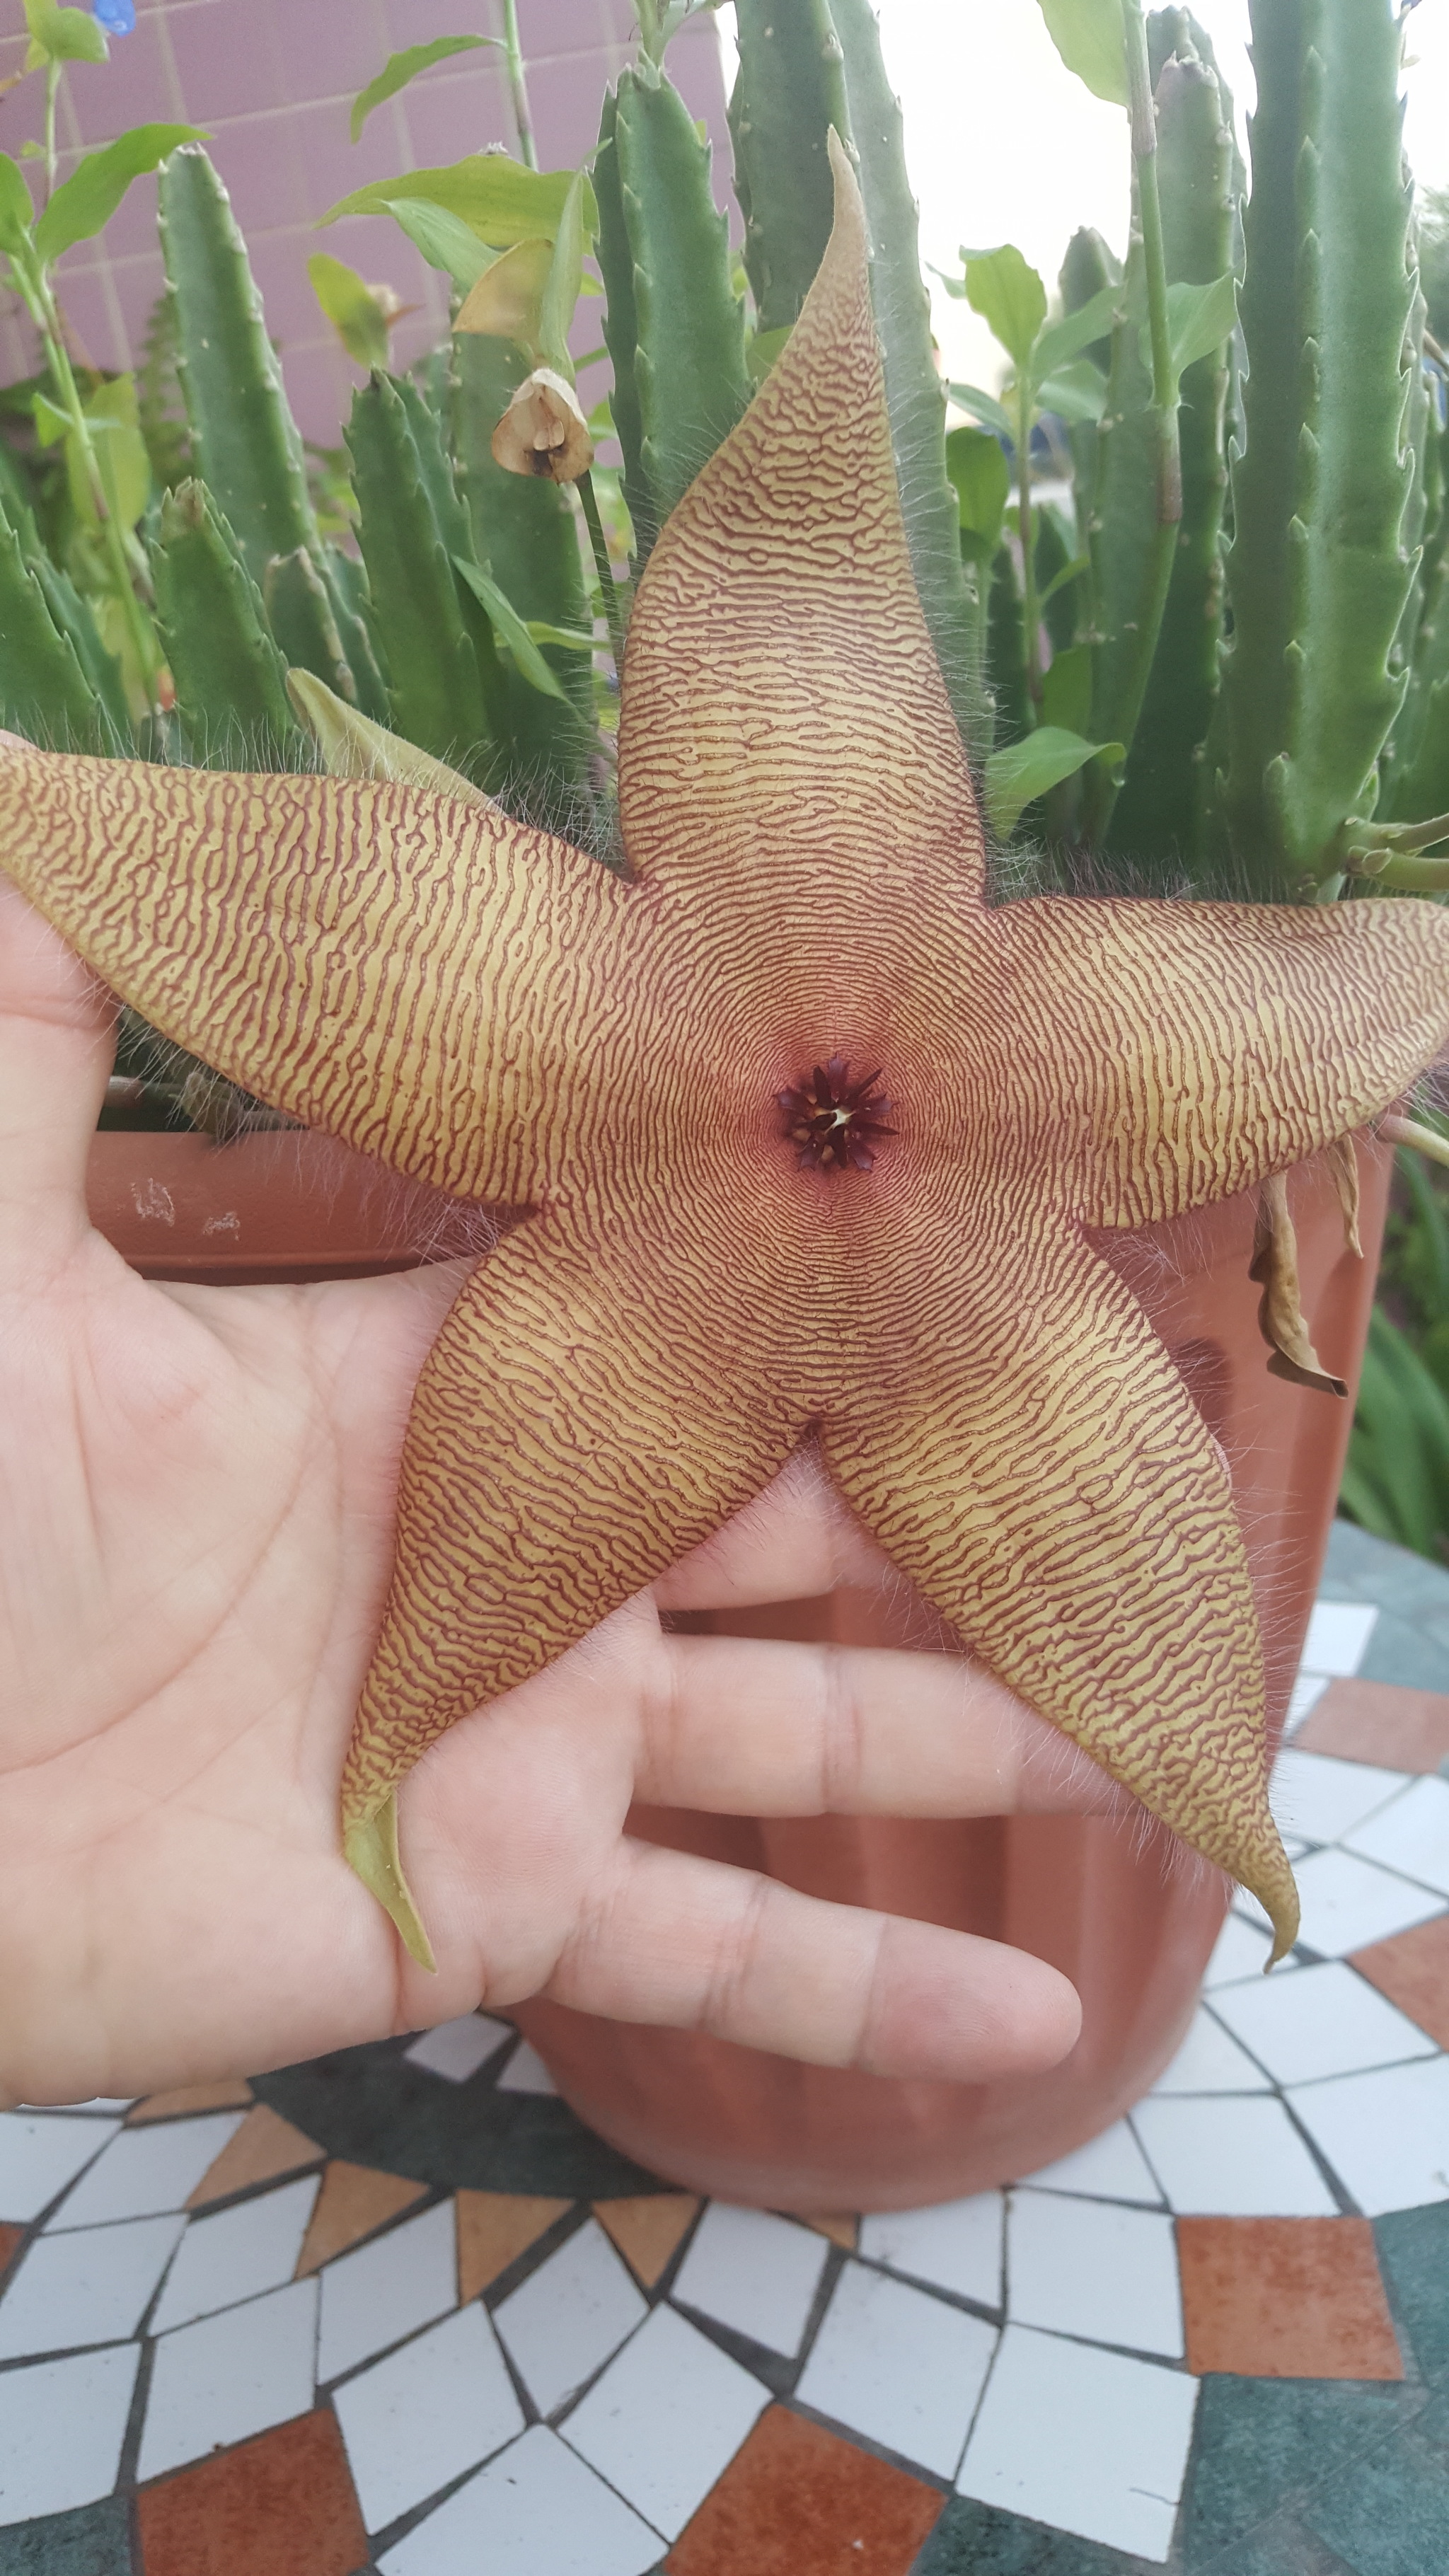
10,2237
232,2094
494,2228
1285,2298
280,2506
1405,1730
648,2230
265,2146
354,2201
1413,1971
840,2229
797,2498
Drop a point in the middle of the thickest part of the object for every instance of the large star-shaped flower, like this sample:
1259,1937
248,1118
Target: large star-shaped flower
810,1132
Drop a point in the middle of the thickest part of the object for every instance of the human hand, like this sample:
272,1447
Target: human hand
197,1490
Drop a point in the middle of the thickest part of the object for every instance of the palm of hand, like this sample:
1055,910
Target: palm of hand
196,1520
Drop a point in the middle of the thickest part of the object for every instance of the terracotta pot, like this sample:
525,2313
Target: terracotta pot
282,1206
1129,1918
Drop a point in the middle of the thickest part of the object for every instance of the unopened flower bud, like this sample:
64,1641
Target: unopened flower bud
543,431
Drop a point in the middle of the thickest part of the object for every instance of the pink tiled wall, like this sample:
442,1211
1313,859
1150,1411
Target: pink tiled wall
272,81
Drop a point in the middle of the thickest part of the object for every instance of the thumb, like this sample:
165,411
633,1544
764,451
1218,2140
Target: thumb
57,1042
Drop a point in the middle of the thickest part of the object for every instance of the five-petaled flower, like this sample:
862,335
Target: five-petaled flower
118,17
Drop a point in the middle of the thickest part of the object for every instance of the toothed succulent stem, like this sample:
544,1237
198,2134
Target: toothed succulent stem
1318,575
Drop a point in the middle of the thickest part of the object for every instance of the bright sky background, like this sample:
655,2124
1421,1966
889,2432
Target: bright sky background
1004,145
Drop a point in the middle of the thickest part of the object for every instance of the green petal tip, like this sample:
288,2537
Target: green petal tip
371,1850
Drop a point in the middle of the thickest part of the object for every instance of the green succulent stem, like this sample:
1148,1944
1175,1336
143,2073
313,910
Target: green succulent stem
1103,779
614,604
518,86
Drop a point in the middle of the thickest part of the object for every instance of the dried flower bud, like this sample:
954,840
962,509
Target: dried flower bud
543,431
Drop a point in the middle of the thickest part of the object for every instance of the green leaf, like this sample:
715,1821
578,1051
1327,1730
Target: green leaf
1089,36
1006,291
561,287
351,308
119,449
1061,341
1075,393
84,203
1066,691
63,35
983,407
510,627
1026,769
981,479
1199,320
444,239
762,349
566,637
401,68
1072,571
16,211
498,199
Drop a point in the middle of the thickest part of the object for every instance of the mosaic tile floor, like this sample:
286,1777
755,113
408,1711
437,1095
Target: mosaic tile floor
466,2339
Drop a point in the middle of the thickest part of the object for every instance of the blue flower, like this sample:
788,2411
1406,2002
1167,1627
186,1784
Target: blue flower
118,17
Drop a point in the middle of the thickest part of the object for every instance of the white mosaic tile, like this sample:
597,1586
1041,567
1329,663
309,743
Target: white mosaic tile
1321,1798
1303,1699
1111,2167
534,2511
1090,2441
666,2419
417,2420
756,2273
236,2254
1240,1951
1386,2135
1412,1835
93,2286
1226,2155
526,2072
227,2377
1338,1637
145,2172
1093,2268
1349,1902
1321,2021
40,2152
899,2366
62,2424
955,2246
569,2316
1209,2061
97,2102
456,2049
375,2295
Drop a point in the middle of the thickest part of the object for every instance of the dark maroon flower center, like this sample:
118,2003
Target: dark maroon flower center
833,1121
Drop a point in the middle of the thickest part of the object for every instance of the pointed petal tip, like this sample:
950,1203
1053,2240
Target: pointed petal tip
1273,1884
371,1850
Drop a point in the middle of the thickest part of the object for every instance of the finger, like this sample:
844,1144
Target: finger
740,1726
56,1046
693,1944
795,1540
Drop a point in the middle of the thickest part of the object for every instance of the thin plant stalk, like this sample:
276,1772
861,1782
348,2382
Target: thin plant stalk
52,92
1101,790
41,306
1030,605
518,86
613,604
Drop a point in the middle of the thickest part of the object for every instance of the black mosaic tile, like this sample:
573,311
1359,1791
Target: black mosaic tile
371,2107
1388,2515
1264,2448
94,2541
1414,2259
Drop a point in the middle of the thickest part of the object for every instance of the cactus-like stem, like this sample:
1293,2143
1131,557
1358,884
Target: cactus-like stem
1318,575
1157,821
1117,703
790,91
